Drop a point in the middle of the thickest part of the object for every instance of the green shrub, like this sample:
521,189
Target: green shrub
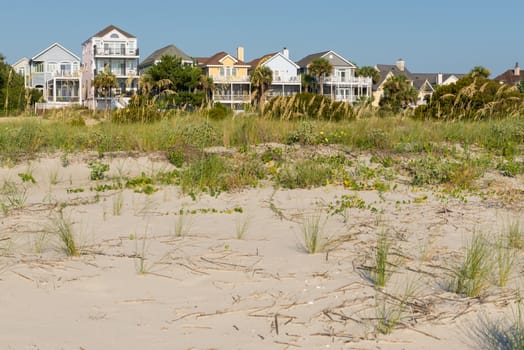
308,106
219,112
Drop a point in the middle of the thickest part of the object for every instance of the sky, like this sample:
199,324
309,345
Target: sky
430,36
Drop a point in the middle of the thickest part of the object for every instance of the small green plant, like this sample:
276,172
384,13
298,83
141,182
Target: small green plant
98,170
53,176
118,203
13,195
27,177
381,272
313,234
63,227
472,276
515,235
241,225
505,333
506,259
141,265
182,224
390,310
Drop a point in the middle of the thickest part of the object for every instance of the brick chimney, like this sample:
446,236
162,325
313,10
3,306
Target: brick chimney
240,53
401,64
516,71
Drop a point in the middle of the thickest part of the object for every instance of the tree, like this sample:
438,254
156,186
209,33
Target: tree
13,93
472,98
368,71
479,71
320,67
182,84
398,93
207,85
520,86
261,78
308,83
104,82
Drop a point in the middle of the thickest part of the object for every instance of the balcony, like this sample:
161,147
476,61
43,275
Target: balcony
357,81
116,52
232,97
230,79
286,80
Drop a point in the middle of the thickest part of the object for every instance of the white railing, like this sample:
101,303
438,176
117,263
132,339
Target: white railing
115,52
294,79
231,97
348,80
230,79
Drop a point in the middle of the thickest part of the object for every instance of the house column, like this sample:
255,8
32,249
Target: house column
54,89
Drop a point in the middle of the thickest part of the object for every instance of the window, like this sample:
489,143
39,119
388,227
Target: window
21,71
221,71
114,36
65,68
39,67
52,67
234,72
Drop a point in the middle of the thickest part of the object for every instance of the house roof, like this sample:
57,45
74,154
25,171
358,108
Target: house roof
257,61
304,62
385,69
111,27
170,50
216,60
509,77
34,58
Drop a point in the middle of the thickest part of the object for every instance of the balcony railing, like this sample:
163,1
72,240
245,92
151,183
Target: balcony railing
348,80
295,80
115,52
231,97
230,79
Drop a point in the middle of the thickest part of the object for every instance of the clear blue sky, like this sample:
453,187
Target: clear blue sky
431,36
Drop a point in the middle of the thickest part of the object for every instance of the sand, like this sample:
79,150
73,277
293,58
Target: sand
138,285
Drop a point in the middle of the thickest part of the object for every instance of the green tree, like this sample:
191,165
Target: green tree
104,82
261,78
368,71
479,71
13,93
308,83
472,98
171,75
398,93
320,67
520,86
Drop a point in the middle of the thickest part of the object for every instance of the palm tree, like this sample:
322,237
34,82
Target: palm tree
398,93
261,78
479,71
368,71
104,82
207,85
320,67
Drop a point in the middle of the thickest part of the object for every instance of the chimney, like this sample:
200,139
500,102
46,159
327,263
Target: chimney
439,79
516,71
401,64
240,53
285,52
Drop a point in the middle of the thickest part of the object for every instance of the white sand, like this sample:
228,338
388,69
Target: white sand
210,290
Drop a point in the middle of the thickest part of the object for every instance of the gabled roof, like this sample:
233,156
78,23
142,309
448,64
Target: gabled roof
20,61
216,60
269,57
170,50
257,61
111,27
50,47
509,77
386,69
304,62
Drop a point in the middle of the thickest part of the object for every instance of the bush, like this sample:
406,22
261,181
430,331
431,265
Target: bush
219,112
309,106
